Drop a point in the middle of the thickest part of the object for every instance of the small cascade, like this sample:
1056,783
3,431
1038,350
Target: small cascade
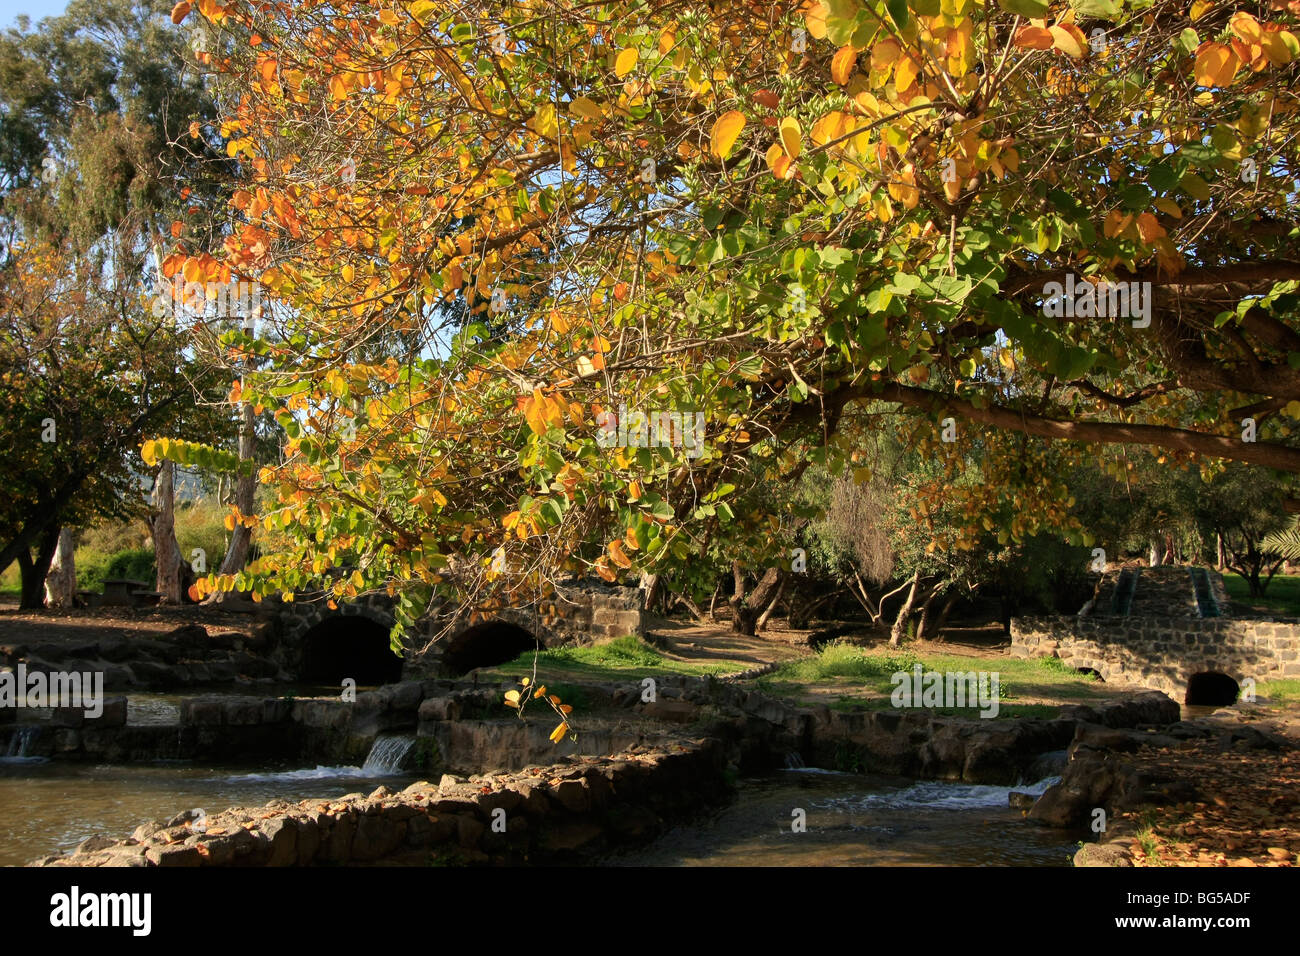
794,761
387,754
20,743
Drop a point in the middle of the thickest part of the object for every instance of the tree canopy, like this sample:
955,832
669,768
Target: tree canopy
486,228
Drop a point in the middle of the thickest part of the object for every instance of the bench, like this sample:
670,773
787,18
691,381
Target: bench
118,592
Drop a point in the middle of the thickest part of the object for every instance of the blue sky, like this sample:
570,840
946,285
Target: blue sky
36,9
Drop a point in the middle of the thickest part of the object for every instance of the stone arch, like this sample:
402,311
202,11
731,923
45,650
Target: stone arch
1211,688
355,646
487,643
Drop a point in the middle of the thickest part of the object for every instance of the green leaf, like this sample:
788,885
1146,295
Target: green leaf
1033,9
1098,9
1187,41
898,10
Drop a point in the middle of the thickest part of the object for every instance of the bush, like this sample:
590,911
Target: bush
134,563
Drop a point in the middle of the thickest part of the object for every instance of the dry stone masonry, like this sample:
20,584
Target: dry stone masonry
1167,637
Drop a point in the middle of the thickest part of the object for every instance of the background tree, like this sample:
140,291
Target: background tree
91,180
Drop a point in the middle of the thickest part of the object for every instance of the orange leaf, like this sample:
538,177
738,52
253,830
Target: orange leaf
1034,38
1216,65
843,64
181,11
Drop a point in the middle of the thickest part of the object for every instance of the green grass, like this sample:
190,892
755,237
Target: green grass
868,676
617,658
1280,691
1282,597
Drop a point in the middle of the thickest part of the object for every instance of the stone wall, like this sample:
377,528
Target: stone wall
1163,653
580,614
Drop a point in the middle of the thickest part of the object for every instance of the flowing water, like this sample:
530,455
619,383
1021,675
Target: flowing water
857,820
847,819
51,806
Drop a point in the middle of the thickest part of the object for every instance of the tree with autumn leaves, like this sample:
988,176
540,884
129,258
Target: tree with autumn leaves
485,228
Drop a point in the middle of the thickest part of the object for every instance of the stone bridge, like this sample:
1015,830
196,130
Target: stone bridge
1170,629
325,645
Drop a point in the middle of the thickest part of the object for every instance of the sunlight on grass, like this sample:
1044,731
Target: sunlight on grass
872,671
619,657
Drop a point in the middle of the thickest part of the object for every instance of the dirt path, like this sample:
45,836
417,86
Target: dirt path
705,643
66,628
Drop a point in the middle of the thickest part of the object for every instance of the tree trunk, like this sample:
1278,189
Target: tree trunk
61,580
697,612
245,494
745,611
713,603
162,526
929,612
900,623
34,569
776,599
652,584
953,597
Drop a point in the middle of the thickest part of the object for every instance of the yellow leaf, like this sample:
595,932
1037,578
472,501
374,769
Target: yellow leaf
791,138
1168,207
540,692
905,74
423,10
1200,7
1069,40
526,681
558,733
349,272
625,61
512,697
1276,48
815,17
1246,27
843,63
587,108
884,54
726,128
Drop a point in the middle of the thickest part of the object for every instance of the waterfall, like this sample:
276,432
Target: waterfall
794,761
20,742
387,754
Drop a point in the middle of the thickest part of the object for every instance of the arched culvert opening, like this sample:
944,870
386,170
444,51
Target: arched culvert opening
486,644
1090,672
349,647
1212,689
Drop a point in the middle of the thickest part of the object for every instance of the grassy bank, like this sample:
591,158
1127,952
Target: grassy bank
848,677
1283,596
618,659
